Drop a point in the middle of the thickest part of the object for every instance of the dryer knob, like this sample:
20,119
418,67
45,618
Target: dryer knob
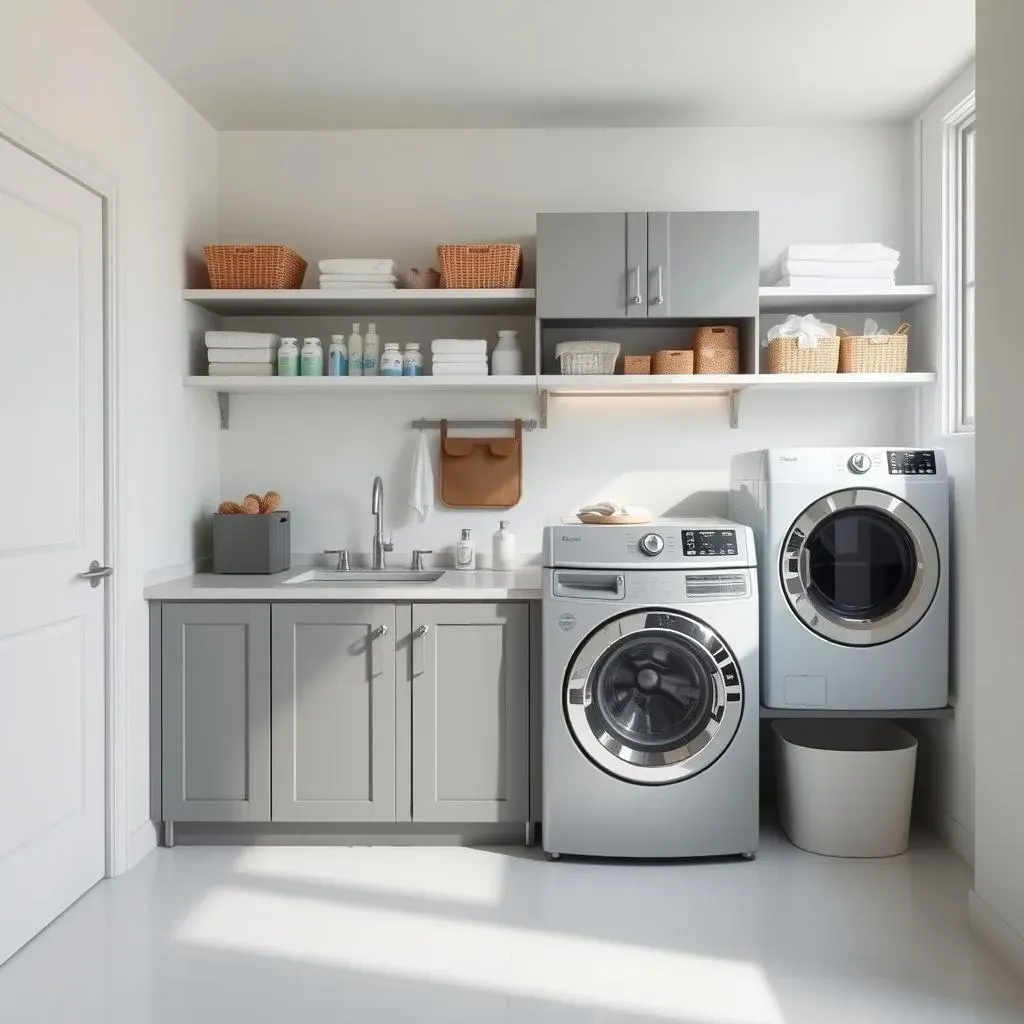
652,544
859,463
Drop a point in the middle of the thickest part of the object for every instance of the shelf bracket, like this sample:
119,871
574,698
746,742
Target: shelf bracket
544,410
734,409
224,401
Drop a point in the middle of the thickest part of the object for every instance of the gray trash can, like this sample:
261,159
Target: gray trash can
846,786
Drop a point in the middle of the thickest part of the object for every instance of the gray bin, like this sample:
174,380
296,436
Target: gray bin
252,544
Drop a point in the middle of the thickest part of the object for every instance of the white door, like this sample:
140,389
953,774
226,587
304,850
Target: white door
52,623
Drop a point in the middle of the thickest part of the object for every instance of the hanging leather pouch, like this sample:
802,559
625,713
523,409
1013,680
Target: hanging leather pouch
481,472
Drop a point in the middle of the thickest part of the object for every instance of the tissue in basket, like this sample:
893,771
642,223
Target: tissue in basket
587,357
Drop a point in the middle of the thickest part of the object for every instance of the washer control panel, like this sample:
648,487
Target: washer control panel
708,543
652,544
859,463
911,463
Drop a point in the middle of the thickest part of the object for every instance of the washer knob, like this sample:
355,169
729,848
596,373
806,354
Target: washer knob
859,463
652,544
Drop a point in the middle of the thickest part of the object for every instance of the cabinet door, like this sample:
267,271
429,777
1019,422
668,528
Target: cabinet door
581,266
470,712
702,265
215,668
333,685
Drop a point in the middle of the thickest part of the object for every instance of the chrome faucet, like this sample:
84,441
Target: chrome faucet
380,546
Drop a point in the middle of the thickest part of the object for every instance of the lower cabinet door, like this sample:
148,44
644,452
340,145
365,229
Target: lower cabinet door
333,687
470,712
215,679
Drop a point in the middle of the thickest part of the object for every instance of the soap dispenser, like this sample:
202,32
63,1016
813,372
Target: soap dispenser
465,553
503,548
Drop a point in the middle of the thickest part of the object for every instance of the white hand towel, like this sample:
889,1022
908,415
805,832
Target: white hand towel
460,369
837,285
458,357
830,268
857,251
421,496
382,286
358,279
241,369
240,339
461,346
357,266
240,355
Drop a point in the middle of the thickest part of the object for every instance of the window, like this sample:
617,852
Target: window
960,205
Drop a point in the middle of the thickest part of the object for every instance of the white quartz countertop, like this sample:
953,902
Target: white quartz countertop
481,585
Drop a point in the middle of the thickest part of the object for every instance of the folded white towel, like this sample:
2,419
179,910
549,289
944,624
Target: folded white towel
382,286
830,268
421,494
357,266
241,369
358,279
240,339
844,253
838,285
459,346
459,369
240,355
459,357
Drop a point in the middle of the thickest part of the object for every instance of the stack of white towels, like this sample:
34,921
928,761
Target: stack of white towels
241,353
852,267
452,357
357,275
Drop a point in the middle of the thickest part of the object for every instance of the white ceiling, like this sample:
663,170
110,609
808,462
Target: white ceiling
295,64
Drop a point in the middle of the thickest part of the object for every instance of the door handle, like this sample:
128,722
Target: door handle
418,634
96,573
638,297
659,299
377,634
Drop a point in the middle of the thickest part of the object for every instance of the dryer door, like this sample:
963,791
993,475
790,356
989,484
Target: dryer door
860,567
653,696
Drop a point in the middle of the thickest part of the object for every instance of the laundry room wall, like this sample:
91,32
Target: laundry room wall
399,193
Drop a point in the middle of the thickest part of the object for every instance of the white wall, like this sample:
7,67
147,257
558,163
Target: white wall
65,71
398,193
999,828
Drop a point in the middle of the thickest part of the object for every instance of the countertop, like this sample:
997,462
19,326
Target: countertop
481,585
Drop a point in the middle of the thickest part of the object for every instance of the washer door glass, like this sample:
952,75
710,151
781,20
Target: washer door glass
860,567
653,696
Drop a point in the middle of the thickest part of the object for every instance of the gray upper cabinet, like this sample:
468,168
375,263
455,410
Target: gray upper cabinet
581,266
470,694
702,264
215,679
333,684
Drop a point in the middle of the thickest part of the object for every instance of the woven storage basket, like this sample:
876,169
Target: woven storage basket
716,349
784,355
254,266
673,360
480,266
874,353
635,365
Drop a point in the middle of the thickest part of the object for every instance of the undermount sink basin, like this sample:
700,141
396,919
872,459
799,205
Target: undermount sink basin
364,577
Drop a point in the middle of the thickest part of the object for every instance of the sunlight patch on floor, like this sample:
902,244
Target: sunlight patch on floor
477,955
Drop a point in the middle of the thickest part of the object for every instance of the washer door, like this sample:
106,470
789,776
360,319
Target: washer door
860,567
653,696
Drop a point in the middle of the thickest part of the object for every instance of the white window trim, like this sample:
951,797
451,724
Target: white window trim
954,125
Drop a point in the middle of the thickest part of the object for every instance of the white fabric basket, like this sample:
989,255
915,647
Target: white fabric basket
587,357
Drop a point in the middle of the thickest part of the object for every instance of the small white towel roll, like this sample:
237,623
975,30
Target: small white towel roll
240,339
459,346
240,355
421,493
241,369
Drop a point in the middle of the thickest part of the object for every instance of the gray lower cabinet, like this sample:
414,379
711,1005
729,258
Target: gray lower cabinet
470,712
333,685
215,699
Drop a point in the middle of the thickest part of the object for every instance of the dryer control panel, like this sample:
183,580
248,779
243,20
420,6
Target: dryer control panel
911,463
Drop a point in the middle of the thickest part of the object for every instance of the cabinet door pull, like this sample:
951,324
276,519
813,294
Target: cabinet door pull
419,633
637,297
377,634
659,299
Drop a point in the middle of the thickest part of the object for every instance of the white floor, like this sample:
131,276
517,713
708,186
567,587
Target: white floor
266,935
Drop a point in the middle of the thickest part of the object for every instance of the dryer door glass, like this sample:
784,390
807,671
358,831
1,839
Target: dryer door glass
860,567
653,696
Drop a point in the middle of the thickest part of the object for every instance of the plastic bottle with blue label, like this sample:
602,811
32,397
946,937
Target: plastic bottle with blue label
337,356
311,361
391,360
355,352
288,358
412,360
371,352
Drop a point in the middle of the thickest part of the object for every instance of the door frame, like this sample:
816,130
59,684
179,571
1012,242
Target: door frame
38,143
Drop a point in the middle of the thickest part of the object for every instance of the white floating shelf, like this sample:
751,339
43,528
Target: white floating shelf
379,302
722,384
793,300
361,385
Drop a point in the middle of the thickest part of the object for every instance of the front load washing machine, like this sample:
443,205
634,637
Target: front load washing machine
853,548
650,690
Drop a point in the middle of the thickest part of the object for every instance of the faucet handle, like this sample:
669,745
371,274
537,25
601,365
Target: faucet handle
343,565
389,544
417,558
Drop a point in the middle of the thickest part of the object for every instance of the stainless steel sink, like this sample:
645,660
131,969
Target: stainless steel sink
364,577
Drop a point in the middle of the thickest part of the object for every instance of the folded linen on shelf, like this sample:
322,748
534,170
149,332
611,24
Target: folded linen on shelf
847,252
358,279
478,369
463,346
240,355
459,357
241,369
240,339
356,266
831,268
337,286
838,285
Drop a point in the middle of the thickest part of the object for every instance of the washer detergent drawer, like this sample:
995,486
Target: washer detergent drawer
593,585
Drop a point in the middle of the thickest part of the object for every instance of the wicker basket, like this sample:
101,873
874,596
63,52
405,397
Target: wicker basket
874,353
587,358
716,349
784,355
254,266
480,266
636,365
673,360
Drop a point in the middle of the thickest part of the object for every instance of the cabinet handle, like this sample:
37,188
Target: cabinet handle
419,633
380,631
637,298
659,299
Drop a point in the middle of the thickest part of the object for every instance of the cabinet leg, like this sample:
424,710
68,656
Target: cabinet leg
168,834
530,836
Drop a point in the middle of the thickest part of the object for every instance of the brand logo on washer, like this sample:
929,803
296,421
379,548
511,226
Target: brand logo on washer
571,538
566,621
789,458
